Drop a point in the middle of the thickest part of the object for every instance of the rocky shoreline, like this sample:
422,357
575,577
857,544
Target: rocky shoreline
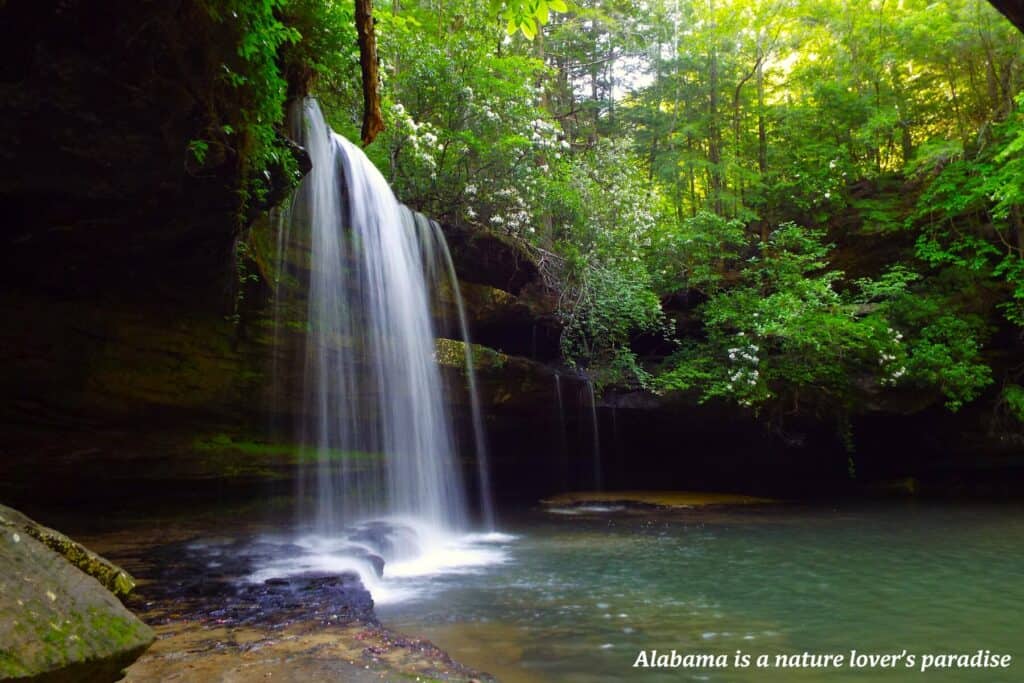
213,624
209,622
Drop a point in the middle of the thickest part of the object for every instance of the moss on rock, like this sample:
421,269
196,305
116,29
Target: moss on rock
113,578
57,623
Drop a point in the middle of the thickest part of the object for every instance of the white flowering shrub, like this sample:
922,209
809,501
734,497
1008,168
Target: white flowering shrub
783,334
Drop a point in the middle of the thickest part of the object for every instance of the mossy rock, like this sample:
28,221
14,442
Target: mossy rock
58,624
452,353
235,455
113,578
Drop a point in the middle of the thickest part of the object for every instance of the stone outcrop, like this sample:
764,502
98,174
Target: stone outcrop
58,624
489,258
524,324
113,578
98,188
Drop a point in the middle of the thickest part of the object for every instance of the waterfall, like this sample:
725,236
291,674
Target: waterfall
374,411
563,437
441,269
616,455
596,437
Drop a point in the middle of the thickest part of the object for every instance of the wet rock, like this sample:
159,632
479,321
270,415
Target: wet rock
341,594
373,559
58,624
211,583
386,538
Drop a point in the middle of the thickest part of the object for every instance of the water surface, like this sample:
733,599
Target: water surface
579,595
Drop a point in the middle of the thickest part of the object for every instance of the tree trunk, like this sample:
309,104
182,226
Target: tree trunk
373,120
714,134
762,133
1012,10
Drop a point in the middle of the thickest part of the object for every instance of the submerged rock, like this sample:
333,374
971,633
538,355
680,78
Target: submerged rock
58,623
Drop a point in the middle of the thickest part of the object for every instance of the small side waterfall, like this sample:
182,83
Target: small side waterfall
596,435
373,402
441,269
563,436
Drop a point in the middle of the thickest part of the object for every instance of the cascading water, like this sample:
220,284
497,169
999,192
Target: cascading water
440,269
387,481
371,340
596,437
563,436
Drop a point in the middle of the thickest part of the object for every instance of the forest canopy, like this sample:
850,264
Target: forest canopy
788,205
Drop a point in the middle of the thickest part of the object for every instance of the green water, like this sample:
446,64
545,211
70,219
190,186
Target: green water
580,596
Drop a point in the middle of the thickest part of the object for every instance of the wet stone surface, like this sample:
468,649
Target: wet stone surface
215,623
209,583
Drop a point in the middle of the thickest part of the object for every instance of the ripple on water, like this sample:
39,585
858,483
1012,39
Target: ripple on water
789,580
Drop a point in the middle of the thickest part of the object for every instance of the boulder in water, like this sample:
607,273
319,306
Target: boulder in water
58,623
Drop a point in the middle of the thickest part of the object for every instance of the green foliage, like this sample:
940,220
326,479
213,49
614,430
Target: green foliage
527,16
943,350
199,150
243,276
611,305
782,333
717,150
698,253
1013,399
971,215
946,355
609,221
255,82
891,284
327,56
